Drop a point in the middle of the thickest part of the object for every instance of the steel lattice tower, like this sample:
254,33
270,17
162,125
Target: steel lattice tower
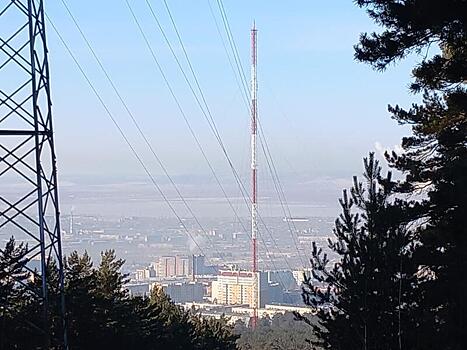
254,173
29,208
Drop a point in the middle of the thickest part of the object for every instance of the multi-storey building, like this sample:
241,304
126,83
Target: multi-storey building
174,266
235,287
144,274
184,292
166,267
198,264
182,266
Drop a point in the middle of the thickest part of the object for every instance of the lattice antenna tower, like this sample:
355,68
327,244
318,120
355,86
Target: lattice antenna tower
254,187
29,208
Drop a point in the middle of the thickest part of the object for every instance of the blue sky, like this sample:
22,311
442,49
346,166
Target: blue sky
321,110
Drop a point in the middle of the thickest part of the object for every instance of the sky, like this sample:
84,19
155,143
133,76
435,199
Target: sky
321,110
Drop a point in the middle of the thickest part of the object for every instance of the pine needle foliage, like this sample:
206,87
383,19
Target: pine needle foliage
434,160
100,312
364,298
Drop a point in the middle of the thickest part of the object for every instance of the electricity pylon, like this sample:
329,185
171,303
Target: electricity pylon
29,208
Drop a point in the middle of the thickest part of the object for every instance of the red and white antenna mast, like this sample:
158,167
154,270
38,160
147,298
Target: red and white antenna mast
254,188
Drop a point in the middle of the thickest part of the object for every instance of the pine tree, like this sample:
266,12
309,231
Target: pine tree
214,334
109,276
281,332
114,308
365,299
178,331
11,293
100,312
82,309
435,156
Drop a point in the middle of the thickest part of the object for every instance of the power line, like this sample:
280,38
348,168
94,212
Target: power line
270,156
213,128
199,104
208,118
279,190
243,94
156,61
129,112
245,99
136,124
139,128
233,46
122,134
240,70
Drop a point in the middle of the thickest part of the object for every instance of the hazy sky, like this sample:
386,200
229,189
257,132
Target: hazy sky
321,110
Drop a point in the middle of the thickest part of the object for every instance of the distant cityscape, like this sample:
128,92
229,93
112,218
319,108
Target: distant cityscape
218,281
160,254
